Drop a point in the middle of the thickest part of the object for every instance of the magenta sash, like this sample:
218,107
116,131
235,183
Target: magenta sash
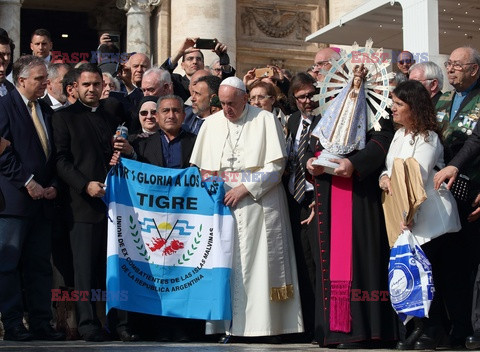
340,254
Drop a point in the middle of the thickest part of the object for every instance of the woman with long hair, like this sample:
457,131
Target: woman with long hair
418,136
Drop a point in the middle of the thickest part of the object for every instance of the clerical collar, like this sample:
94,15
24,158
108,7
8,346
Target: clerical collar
148,132
92,108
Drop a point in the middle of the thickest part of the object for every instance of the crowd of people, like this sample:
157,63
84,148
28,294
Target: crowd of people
310,257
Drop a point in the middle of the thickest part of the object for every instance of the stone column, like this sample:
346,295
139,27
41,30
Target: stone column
10,21
205,19
163,27
138,23
420,32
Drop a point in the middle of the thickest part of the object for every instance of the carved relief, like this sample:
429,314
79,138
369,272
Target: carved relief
275,23
144,5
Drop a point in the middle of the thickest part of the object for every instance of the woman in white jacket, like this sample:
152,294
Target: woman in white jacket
419,137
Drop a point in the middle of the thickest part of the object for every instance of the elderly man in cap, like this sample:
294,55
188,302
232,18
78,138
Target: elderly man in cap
246,147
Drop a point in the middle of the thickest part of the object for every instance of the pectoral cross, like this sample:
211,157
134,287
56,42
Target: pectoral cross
232,160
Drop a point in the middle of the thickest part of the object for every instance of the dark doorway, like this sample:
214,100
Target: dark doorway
81,38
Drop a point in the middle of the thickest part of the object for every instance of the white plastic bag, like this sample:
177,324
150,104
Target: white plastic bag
410,278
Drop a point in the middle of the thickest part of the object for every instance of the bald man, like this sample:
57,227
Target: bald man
138,64
322,62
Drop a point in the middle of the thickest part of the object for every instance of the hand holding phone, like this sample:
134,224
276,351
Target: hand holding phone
114,38
264,72
205,43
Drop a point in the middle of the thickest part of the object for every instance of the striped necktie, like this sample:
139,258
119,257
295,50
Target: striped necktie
38,126
299,186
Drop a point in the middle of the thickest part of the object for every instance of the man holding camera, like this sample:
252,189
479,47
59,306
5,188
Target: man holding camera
193,60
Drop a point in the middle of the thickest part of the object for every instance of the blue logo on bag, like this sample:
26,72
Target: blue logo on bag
401,283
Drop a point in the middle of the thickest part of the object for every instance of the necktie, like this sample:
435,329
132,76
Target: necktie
38,126
299,186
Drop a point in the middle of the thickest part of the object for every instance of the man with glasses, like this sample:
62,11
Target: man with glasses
322,62
459,112
300,196
430,75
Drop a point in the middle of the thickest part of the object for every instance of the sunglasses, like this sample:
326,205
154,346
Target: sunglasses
403,62
145,112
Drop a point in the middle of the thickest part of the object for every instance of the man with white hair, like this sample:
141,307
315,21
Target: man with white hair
459,112
157,82
246,147
430,75
28,182
55,97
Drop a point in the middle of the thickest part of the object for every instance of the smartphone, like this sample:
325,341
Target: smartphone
264,72
205,43
114,38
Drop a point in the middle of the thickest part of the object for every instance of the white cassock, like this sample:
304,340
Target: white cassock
265,295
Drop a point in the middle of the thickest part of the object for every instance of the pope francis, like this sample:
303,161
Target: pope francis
246,146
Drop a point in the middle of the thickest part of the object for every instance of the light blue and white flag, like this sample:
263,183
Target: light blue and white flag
169,242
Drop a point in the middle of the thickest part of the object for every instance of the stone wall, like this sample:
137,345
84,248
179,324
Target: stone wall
273,32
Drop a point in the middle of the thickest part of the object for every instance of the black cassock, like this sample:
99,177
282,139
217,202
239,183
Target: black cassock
372,317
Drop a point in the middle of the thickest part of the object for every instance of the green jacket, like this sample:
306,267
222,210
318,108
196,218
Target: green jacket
455,133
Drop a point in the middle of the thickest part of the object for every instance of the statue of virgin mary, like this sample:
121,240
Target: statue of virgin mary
342,128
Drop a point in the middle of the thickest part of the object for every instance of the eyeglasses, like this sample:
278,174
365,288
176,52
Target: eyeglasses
145,112
404,62
321,63
258,98
303,98
217,69
457,66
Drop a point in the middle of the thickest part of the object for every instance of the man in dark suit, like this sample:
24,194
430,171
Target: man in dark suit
303,121
171,146
55,97
83,138
27,181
